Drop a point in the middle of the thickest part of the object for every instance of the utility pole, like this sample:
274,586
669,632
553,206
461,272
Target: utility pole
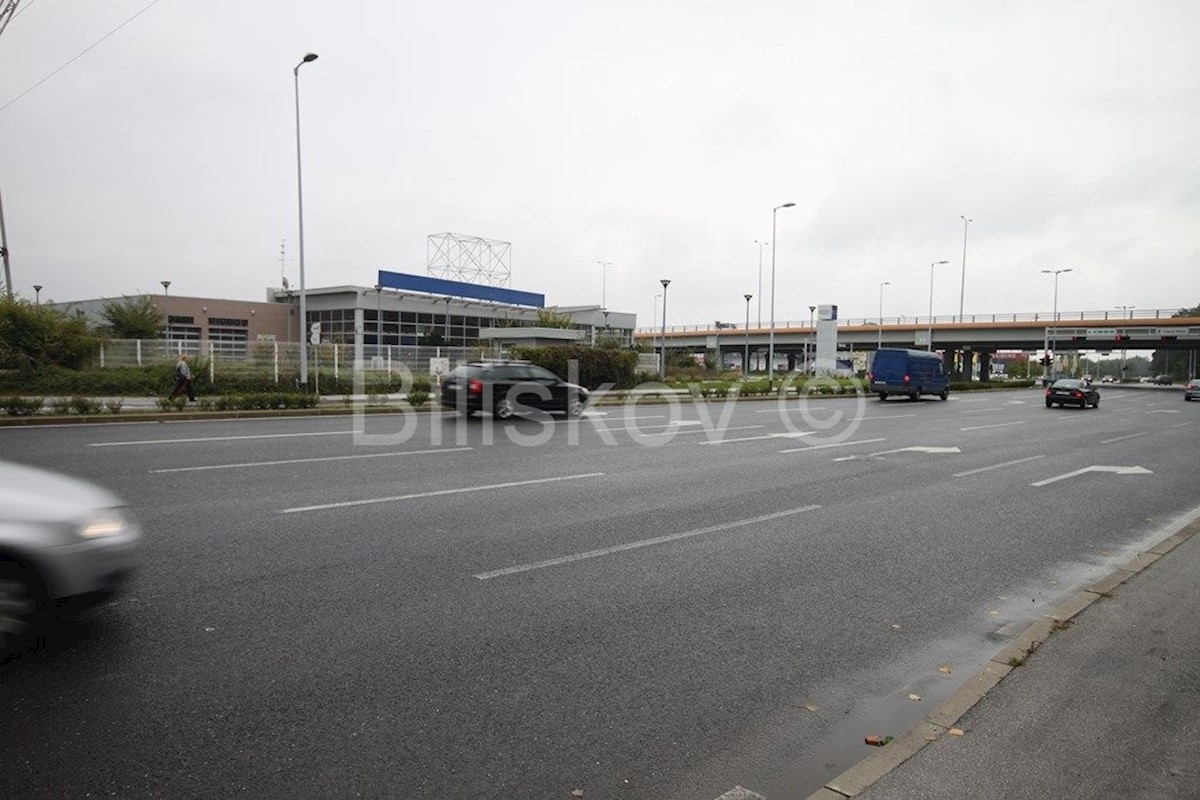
7,10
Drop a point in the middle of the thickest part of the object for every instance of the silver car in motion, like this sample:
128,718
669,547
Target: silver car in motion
64,543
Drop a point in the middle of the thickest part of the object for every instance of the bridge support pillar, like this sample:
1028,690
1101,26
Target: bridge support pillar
985,365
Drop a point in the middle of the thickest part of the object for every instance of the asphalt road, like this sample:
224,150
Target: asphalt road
638,606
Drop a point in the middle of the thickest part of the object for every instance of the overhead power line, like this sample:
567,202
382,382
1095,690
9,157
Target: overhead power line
81,54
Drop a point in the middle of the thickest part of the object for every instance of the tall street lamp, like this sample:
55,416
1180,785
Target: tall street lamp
885,283
300,208
771,337
962,286
1050,339
37,294
761,245
746,336
1124,310
604,265
662,363
929,344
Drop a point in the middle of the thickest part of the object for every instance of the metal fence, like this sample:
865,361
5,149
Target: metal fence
278,359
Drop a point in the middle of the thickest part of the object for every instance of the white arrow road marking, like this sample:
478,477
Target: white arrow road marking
1113,470
920,450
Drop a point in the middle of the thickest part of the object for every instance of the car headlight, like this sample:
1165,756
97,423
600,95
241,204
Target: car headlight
104,522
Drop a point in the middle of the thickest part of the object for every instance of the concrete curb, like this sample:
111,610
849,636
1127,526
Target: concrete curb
938,722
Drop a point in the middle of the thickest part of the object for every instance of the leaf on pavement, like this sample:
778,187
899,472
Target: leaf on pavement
945,669
956,731
914,697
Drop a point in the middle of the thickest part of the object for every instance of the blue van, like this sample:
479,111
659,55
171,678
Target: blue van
908,372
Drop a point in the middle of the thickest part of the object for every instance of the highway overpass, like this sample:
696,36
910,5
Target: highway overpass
970,338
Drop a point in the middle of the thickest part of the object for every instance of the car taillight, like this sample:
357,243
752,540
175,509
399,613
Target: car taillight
1078,393
906,380
475,386
870,377
1047,391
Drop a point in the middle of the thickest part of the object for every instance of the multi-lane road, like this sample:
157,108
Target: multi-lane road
653,602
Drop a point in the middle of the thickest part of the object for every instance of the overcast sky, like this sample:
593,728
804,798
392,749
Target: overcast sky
656,135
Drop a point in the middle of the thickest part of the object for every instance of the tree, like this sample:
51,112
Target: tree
35,336
1187,312
546,318
133,318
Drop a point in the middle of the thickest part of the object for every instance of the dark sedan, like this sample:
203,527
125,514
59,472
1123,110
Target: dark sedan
1072,392
510,387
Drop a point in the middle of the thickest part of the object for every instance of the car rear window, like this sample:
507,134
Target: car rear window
464,371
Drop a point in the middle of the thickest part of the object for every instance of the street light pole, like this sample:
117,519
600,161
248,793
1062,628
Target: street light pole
771,337
300,208
746,332
761,245
809,343
1121,377
662,362
962,286
929,344
885,283
1052,339
604,265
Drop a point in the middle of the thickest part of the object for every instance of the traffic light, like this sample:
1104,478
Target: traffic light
1047,360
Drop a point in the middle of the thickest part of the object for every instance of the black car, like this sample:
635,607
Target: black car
1072,392
510,387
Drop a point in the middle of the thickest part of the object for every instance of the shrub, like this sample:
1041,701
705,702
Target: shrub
115,405
170,403
86,405
596,366
21,406
418,398
61,405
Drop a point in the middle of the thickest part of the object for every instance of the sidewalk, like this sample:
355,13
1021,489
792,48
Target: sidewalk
1107,706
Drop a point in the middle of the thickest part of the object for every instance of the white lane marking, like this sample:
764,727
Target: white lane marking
1164,411
1123,438
1182,425
895,416
311,460
221,438
921,449
620,548
678,432
786,408
983,410
682,422
996,425
1113,470
793,435
975,400
441,493
835,444
996,466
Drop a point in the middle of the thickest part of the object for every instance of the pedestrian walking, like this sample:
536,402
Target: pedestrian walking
183,379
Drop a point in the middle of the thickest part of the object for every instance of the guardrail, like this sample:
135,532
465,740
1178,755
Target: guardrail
1117,315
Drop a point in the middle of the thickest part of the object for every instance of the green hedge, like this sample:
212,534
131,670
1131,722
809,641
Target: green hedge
160,379
597,365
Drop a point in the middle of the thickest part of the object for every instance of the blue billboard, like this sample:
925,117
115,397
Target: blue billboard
471,291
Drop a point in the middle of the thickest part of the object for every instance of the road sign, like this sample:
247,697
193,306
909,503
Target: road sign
314,336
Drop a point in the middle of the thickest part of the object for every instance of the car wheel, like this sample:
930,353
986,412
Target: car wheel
18,606
504,408
945,394
1049,404
882,396
575,408
1097,403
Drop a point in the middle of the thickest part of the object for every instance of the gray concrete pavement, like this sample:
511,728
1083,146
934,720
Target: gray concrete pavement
1107,707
